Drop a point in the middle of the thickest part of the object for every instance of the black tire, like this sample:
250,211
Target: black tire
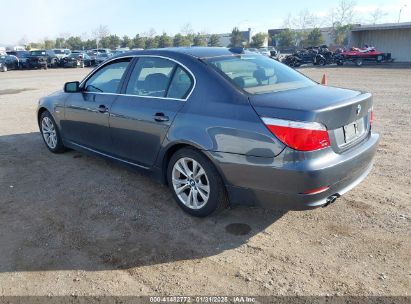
59,148
339,62
321,62
217,200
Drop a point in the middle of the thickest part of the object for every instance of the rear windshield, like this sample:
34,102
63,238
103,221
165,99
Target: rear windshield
258,74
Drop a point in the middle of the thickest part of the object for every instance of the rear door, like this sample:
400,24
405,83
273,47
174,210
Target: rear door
140,118
87,113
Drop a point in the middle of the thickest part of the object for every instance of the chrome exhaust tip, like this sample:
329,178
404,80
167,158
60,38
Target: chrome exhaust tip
331,199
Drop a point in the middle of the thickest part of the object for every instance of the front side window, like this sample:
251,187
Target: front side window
257,74
151,77
108,78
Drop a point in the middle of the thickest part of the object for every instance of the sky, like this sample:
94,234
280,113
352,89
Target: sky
35,20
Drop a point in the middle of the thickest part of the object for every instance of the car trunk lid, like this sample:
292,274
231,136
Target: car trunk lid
345,113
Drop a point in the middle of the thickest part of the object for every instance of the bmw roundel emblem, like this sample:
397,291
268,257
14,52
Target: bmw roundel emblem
358,109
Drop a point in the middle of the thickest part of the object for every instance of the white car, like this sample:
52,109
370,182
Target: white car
61,53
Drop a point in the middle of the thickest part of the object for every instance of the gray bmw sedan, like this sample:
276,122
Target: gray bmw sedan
219,126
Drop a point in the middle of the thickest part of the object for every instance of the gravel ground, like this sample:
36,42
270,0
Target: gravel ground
72,224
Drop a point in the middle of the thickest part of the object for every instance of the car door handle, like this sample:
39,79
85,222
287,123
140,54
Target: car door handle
160,117
102,109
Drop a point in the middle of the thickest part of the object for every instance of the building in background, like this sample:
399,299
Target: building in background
394,38
225,38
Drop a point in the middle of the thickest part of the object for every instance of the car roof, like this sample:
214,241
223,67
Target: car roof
197,52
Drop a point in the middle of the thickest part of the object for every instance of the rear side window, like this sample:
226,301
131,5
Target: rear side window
151,77
159,77
180,84
108,78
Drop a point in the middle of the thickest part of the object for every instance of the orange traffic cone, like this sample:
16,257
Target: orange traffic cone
324,80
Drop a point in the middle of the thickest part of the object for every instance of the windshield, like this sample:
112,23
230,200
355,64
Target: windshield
59,52
258,74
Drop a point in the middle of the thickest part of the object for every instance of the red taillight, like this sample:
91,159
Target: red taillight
371,116
316,191
302,136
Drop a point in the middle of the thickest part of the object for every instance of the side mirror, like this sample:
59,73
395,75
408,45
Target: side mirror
72,87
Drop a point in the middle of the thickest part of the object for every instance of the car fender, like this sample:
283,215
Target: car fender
221,127
54,104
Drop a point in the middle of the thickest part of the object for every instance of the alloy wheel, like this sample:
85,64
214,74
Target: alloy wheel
190,183
49,132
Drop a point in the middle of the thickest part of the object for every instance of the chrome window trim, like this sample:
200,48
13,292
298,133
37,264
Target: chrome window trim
142,96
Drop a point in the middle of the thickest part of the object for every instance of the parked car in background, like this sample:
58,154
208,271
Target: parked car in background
264,51
124,49
274,53
254,50
61,53
119,51
218,125
101,57
310,55
22,57
76,60
8,62
102,50
42,59
92,55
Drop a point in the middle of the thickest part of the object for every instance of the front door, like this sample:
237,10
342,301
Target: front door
86,121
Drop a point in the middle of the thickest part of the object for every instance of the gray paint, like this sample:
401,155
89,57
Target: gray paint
225,124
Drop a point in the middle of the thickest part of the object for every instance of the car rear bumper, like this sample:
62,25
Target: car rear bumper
280,183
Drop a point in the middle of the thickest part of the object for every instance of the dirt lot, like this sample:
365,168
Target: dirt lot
74,224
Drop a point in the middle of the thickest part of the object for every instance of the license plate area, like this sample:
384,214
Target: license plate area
353,131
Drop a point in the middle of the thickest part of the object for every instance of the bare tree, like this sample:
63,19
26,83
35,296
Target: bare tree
287,22
377,15
151,33
65,35
84,36
100,32
344,13
23,41
187,29
305,19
